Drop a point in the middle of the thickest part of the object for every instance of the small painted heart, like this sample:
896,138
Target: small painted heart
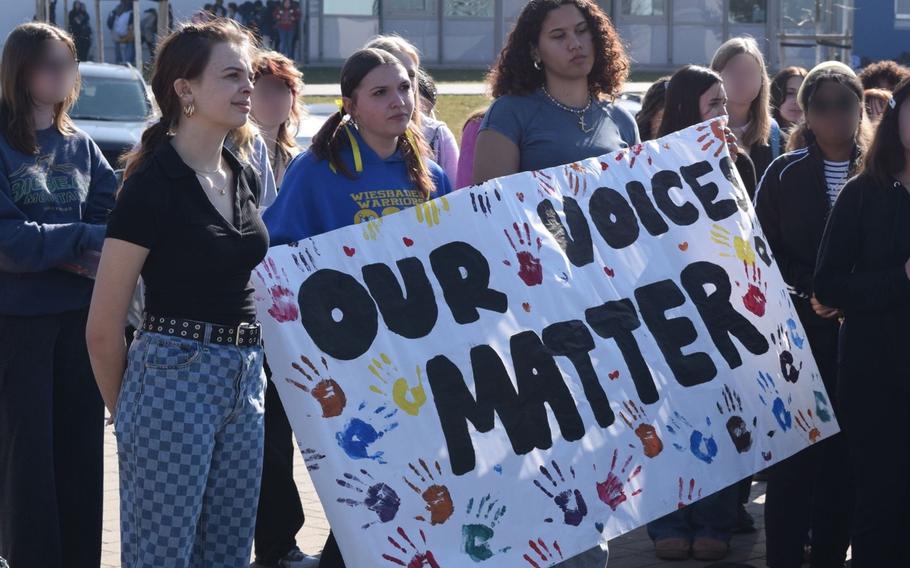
348,250
604,166
609,271
526,306
683,246
407,242
614,375
520,196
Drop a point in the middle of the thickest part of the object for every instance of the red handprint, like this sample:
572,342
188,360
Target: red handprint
284,302
717,129
541,553
544,183
529,269
754,300
419,556
690,497
611,490
327,392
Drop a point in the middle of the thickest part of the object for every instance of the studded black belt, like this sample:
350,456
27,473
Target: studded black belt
242,335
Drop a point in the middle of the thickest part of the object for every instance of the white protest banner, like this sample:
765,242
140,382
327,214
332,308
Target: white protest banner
519,371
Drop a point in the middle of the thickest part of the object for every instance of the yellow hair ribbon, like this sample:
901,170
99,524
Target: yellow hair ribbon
355,149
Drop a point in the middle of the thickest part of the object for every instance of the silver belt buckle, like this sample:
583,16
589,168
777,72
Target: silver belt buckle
242,326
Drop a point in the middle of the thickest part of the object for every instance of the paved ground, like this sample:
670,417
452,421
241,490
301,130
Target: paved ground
633,550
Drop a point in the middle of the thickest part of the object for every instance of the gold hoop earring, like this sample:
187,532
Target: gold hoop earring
189,109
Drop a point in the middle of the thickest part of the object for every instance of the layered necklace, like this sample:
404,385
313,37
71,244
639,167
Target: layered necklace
204,175
578,112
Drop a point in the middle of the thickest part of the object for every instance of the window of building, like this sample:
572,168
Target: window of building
748,11
349,7
409,7
469,8
644,7
902,9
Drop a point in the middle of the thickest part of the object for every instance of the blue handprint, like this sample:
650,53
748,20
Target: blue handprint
358,435
702,445
795,338
778,407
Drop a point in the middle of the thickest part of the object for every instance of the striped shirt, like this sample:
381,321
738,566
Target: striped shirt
835,176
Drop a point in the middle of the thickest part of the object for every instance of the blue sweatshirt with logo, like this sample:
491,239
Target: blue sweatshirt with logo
314,199
53,206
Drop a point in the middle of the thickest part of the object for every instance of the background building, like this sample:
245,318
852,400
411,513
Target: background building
882,30
661,34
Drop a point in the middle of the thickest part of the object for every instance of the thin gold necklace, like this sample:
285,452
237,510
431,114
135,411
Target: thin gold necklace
222,190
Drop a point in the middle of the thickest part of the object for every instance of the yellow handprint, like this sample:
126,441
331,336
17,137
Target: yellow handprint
429,211
742,248
371,229
384,370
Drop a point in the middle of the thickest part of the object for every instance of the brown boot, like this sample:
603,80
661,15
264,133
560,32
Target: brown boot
709,549
672,548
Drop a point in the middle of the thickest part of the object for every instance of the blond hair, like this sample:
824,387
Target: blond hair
759,128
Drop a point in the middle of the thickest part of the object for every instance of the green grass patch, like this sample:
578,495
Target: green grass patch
451,109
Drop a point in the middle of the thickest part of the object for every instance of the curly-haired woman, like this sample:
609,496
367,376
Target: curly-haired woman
554,85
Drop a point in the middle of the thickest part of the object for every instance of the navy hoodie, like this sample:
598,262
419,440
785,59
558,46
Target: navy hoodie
53,206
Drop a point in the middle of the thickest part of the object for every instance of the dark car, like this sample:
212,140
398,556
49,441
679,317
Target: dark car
113,107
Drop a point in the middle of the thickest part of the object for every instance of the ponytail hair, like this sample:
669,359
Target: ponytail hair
183,54
334,134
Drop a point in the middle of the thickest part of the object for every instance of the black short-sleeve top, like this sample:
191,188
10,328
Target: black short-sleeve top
199,264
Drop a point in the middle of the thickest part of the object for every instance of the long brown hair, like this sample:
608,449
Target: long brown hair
684,91
330,139
21,55
779,93
887,155
279,66
514,72
759,129
183,54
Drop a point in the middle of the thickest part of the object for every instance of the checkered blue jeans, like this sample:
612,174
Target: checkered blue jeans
189,426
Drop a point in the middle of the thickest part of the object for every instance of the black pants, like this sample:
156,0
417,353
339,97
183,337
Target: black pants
331,554
51,444
280,514
878,431
809,491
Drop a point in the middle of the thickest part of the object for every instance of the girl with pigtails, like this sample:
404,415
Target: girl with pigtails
366,161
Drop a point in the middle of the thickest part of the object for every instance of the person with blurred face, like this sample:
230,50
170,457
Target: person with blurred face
741,64
864,272
793,203
56,190
277,111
